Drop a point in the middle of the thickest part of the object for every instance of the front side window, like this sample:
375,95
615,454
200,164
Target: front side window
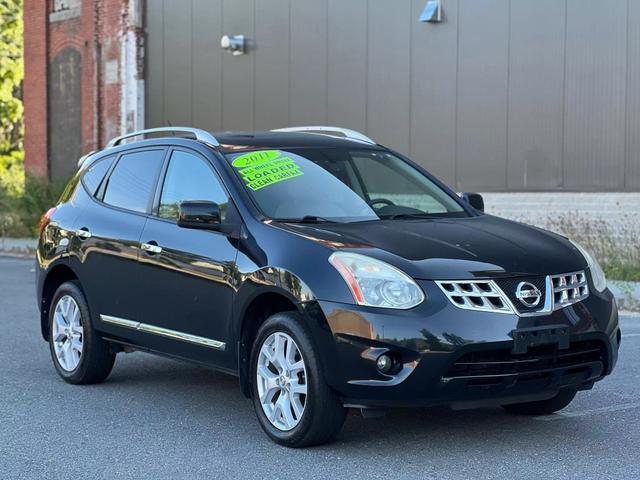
340,185
133,180
189,178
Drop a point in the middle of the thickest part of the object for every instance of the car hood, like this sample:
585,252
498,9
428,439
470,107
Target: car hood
452,248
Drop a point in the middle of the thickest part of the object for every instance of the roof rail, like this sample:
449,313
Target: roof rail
198,134
85,157
330,131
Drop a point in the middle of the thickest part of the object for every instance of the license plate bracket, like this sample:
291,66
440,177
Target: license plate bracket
524,338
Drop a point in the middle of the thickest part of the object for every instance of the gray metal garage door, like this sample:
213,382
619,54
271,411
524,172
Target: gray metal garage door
502,95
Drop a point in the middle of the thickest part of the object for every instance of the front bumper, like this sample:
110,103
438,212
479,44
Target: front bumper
460,357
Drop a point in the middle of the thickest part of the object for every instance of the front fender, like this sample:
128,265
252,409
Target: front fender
268,280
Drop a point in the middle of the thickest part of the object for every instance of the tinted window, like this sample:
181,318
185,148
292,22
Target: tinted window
189,178
70,189
133,180
389,179
340,185
95,173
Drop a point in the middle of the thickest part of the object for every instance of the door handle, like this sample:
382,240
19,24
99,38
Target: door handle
152,248
83,233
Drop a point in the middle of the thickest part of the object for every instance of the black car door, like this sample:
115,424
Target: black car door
107,240
186,275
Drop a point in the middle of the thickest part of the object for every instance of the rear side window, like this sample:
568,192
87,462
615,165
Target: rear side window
92,178
133,180
190,178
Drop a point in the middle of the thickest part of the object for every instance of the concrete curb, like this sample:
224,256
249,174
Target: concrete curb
627,294
18,246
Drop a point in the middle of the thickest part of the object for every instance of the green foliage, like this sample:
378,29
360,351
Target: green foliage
39,196
11,75
626,271
616,249
12,173
20,214
12,179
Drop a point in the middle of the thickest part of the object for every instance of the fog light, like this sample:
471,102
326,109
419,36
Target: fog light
384,363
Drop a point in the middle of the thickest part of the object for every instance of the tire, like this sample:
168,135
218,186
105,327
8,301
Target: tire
543,407
322,415
87,358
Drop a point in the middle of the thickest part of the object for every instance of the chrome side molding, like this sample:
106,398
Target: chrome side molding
164,332
122,322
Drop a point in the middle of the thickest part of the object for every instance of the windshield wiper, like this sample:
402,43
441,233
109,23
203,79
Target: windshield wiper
407,215
305,219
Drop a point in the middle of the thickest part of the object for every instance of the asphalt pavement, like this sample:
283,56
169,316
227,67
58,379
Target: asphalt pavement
158,418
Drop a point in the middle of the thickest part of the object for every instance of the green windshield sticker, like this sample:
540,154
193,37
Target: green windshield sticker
264,168
255,158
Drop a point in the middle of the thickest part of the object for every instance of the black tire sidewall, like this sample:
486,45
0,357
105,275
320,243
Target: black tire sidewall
73,290
290,323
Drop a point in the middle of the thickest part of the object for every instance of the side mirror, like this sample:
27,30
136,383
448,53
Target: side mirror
199,214
474,199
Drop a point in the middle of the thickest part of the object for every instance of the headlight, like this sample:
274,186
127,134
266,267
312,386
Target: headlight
597,274
376,284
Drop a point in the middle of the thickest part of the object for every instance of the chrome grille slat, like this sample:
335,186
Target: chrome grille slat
569,288
476,295
562,290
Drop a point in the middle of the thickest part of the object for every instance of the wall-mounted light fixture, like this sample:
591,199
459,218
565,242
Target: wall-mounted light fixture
432,12
234,44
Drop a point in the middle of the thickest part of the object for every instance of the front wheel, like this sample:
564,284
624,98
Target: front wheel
543,407
294,404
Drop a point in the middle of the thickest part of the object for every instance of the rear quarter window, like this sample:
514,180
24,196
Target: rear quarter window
94,175
70,189
132,182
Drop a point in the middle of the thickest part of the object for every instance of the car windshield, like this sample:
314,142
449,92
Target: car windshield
340,185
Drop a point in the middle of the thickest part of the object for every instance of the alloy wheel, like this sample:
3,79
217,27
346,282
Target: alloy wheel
68,333
282,381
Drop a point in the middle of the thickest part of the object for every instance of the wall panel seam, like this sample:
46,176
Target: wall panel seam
625,166
563,152
508,95
456,178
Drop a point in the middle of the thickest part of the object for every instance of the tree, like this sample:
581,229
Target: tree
11,110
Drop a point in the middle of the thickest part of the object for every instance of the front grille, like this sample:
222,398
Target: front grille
568,289
500,295
510,285
483,295
545,357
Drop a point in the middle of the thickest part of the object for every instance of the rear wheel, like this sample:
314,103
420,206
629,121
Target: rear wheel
294,404
79,355
543,407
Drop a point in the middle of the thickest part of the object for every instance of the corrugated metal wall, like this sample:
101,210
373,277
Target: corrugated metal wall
503,95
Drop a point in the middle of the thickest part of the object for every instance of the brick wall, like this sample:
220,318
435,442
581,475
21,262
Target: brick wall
35,102
71,109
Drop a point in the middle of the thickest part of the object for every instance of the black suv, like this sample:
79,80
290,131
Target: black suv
324,270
